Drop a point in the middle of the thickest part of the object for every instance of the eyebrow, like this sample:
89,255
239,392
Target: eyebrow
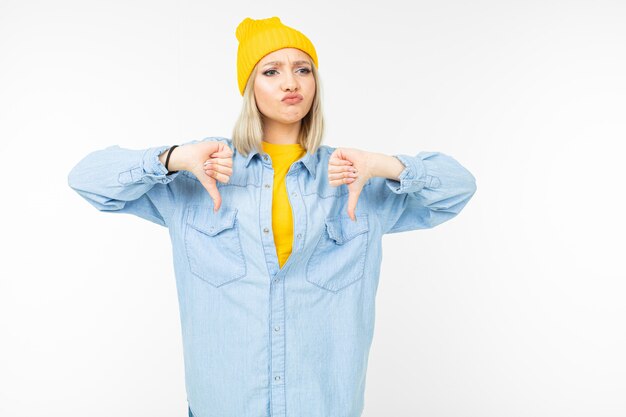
279,63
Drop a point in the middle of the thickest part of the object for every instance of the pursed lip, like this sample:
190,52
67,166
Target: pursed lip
292,95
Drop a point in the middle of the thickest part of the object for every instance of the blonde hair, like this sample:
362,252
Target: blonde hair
248,130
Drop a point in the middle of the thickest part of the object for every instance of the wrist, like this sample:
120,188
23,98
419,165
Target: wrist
175,161
386,166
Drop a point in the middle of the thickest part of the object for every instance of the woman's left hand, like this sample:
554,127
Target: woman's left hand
352,167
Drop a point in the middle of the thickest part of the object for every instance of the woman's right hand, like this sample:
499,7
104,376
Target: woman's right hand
209,161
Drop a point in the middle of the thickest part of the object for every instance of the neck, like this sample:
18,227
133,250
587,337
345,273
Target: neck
279,133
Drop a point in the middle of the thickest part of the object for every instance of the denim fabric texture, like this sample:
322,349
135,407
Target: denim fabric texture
259,340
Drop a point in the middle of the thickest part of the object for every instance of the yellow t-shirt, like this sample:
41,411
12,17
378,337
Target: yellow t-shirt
282,219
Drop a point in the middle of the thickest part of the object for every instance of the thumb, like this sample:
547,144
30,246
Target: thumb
210,184
353,197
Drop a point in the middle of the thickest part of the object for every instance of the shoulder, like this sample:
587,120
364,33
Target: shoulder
323,153
228,141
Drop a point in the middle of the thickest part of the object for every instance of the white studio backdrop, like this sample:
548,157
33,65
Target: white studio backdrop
515,308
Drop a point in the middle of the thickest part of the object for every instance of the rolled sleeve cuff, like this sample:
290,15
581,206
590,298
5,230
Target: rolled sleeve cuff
153,169
412,178
150,169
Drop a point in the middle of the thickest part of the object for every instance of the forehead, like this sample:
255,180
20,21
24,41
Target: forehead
286,55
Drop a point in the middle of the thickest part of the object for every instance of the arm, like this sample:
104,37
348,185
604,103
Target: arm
130,181
122,180
418,192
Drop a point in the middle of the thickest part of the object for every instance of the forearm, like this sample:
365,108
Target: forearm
110,178
433,188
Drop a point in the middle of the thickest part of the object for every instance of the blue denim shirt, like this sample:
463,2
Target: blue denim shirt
259,340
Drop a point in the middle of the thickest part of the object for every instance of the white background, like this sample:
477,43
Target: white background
514,308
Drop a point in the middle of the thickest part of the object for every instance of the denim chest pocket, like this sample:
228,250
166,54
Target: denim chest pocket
213,246
338,259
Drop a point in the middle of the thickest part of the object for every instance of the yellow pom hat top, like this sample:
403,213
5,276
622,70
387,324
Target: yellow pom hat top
258,38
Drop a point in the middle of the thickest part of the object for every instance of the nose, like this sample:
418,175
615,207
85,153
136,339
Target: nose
290,83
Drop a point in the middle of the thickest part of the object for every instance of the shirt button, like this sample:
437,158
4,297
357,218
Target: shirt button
294,194
299,235
277,378
275,280
277,328
267,186
265,157
266,230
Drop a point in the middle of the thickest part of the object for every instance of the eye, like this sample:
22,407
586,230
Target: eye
306,70
266,72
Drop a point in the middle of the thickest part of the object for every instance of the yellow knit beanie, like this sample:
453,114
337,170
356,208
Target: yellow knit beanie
258,38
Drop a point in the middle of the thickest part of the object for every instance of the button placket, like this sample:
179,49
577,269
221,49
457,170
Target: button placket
298,209
276,297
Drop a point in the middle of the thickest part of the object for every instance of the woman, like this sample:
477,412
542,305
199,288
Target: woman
276,238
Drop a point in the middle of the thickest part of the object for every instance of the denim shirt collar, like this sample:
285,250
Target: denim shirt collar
309,160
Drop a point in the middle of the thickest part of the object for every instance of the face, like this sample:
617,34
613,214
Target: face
280,73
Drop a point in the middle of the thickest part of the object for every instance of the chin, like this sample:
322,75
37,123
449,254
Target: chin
290,120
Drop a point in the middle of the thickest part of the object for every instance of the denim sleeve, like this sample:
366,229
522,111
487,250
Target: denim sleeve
121,180
432,188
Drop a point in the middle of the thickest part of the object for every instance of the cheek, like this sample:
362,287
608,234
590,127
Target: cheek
311,88
261,95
